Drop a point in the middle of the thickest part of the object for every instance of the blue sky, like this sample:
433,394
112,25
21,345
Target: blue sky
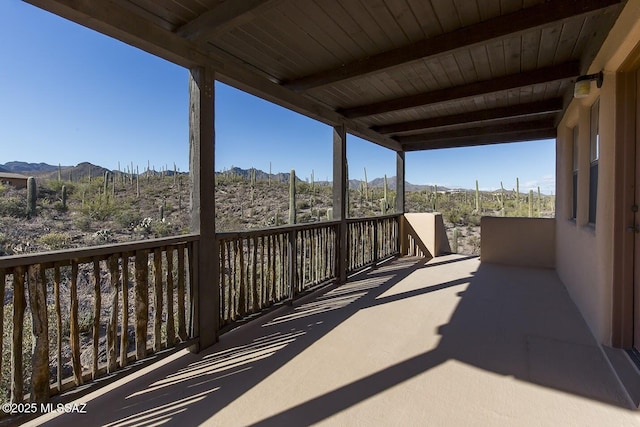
69,94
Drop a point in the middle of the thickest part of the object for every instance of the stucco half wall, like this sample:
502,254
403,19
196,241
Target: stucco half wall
427,232
528,242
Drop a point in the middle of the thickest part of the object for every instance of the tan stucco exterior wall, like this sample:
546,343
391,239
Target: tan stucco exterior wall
584,252
527,242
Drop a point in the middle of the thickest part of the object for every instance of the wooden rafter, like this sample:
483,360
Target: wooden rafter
500,26
221,18
483,135
563,71
512,111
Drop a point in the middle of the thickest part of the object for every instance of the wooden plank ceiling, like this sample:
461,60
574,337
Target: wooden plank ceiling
406,74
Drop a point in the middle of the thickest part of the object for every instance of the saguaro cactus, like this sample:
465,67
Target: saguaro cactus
384,203
539,203
366,185
455,240
292,197
530,203
31,196
106,182
64,197
477,198
503,210
435,198
518,195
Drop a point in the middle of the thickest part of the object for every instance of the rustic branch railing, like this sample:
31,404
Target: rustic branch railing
260,268
372,239
92,334
75,314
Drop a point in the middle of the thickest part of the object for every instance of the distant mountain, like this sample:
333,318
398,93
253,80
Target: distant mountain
23,167
84,169
260,175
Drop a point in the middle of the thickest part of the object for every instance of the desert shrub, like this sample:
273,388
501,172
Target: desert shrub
161,228
82,223
302,204
99,210
102,236
55,240
13,205
128,218
5,245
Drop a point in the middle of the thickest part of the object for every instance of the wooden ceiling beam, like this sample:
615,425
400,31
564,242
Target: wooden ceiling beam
221,19
567,70
475,140
488,130
513,111
500,26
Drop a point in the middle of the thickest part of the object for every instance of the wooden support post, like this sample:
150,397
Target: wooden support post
201,166
400,178
340,197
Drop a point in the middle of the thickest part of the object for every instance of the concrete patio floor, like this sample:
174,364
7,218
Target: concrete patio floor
449,342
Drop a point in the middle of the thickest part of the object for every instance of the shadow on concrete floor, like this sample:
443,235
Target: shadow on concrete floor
511,321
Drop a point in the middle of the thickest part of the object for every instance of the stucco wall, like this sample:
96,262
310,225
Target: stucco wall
584,252
428,232
526,242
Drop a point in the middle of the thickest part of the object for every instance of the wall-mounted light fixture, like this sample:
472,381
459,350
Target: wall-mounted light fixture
583,84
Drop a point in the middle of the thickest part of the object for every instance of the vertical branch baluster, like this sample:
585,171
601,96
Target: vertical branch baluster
124,330
40,330
223,284
182,324
171,328
232,281
254,278
281,291
242,291
56,292
19,303
142,302
97,302
74,328
272,259
262,281
157,300
112,325
3,282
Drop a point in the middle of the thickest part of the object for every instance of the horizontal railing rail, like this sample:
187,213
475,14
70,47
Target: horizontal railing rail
73,314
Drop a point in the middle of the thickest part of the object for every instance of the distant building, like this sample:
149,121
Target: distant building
14,179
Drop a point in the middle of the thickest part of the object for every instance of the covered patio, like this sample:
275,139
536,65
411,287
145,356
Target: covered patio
450,341
437,338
